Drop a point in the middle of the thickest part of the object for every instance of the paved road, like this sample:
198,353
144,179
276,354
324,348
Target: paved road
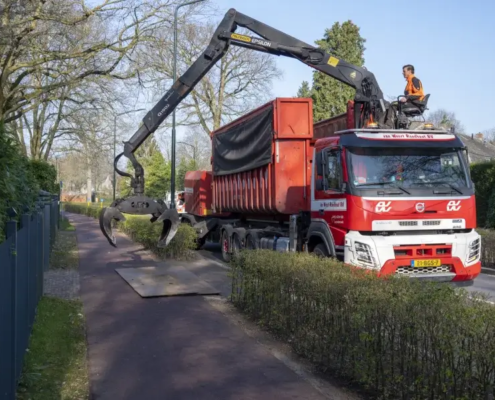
169,348
484,283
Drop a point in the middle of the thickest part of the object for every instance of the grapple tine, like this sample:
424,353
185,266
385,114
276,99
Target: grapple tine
107,215
171,222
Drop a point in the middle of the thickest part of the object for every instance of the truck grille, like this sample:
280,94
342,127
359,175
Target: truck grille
407,270
408,223
422,251
423,223
431,223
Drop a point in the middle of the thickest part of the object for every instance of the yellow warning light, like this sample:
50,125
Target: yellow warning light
372,125
428,125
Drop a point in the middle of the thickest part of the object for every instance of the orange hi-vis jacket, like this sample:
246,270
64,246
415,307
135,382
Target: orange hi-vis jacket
414,87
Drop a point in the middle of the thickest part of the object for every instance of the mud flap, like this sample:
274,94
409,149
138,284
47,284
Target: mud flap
171,222
107,215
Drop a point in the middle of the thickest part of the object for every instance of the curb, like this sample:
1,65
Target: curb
488,271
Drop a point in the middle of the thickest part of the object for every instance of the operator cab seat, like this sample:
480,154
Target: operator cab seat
415,108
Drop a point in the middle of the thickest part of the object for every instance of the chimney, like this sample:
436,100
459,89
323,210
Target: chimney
479,136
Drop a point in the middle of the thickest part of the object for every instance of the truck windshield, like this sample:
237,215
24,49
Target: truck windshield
406,167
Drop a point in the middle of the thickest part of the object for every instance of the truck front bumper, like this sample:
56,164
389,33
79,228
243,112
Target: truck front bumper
460,266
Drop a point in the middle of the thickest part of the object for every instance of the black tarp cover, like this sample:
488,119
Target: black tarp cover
244,146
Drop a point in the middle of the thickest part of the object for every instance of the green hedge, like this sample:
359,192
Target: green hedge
142,231
487,247
20,179
82,208
483,176
46,175
397,338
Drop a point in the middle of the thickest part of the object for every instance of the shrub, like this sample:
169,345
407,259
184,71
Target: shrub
398,338
483,176
142,231
82,208
18,186
46,175
487,247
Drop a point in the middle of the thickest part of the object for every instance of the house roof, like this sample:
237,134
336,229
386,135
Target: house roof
477,150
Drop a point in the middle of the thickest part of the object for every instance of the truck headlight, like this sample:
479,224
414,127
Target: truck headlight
364,255
474,250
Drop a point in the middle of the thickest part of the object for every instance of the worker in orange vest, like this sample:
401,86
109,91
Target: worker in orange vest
414,87
412,93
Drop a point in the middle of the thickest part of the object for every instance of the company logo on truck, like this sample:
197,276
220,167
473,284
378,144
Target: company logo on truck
420,207
261,42
454,205
383,206
330,205
242,38
405,136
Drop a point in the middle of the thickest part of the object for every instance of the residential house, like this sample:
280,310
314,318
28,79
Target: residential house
479,149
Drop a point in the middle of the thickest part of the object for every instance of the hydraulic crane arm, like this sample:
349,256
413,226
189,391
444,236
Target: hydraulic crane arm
368,103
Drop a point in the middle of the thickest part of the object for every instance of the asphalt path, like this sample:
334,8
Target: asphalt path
484,283
179,348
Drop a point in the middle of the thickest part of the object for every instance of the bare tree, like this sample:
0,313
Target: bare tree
239,82
196,146
445,119
49,45
88,133
489,135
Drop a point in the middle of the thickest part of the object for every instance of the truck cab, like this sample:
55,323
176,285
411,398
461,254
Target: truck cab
396,202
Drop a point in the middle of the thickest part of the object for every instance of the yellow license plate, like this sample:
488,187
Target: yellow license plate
426,263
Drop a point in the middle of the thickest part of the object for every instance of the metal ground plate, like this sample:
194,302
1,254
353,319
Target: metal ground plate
156,281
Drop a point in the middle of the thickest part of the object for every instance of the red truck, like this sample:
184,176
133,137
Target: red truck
396,202
363,187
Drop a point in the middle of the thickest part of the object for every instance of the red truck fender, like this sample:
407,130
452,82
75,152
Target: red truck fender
319,232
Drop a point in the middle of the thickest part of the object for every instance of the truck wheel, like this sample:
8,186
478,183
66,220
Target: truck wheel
236,244
252,240
251,243
224,242
320,250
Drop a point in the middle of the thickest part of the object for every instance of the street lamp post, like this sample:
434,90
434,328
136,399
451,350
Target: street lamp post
174,78
194,151
115,142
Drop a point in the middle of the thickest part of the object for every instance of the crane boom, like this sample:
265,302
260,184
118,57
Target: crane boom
368,102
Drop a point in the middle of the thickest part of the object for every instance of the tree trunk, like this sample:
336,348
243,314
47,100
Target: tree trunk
89,182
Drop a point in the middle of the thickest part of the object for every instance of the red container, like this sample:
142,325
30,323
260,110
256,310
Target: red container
262,161
197,192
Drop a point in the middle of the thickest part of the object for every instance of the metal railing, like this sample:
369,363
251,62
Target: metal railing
24,256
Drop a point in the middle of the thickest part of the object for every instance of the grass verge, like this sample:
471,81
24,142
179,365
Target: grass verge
65,225
64,253
55,365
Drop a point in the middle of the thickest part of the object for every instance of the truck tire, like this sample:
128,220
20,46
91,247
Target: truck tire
224,243
252,240
236,244
251,243
320,250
